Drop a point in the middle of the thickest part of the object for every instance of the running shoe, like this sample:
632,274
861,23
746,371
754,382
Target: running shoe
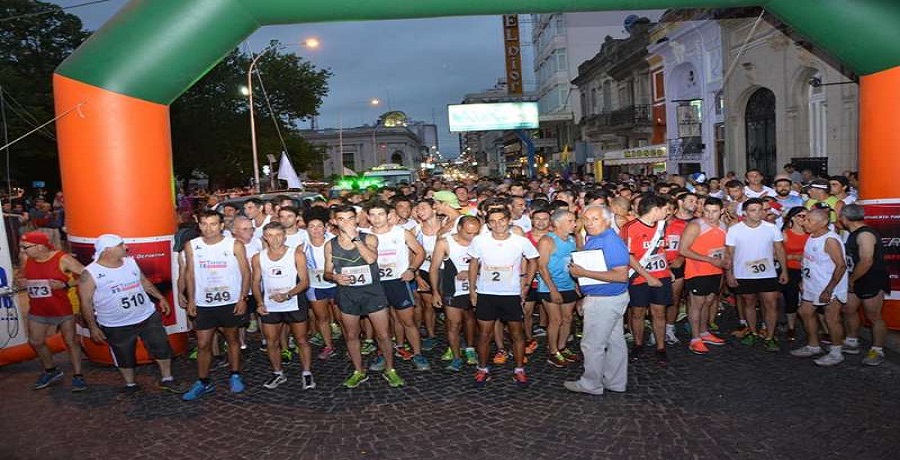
873,358
850,349
530,346
356,378
500,357
78,384
830,359
712,339
713,326
170,386
336,331
378,365
570,355
262,347
471,356
308,382
520,378
771,345
697,347
46,378
421,363
740,332
428,343
368,347
806,351
393,379
481,378
557,360
762,332
193,354
749,339
538,331
198,390
629,337
824,338
275,380
253,326
448,355
286,355
317,340
236,383
662,359
403,353
326,353
455,365
671,339
636,354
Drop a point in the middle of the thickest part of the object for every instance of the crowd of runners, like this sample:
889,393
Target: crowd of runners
494,269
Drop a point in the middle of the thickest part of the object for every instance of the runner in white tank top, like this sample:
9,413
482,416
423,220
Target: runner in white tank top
824,288
279,280
426,234
321,293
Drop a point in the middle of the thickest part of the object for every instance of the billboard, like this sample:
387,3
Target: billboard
493,116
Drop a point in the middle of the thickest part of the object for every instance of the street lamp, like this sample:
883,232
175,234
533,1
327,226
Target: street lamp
248,91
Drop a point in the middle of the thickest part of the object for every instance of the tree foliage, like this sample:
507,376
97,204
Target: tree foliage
210,122
34,38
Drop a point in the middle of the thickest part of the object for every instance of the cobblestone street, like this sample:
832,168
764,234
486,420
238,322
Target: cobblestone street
737,402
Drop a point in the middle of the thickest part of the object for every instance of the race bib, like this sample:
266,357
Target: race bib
717,253
215,294
655,263
674,241
759,266
461,286
39,289
359,276
497,273
318,276
387,264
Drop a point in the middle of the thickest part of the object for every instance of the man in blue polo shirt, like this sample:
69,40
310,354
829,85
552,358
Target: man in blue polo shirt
603,345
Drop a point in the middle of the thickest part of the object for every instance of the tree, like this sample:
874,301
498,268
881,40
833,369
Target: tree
210,122
34,38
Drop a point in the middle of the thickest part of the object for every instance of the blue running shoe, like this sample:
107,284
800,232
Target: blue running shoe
198,390
236,383
428,343
421,363
378,365
78,384
46,378
455,365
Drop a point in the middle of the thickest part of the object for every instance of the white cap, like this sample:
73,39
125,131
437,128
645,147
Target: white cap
105,242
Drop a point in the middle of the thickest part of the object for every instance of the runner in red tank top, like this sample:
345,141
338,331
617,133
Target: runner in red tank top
540,226
685,207
47,274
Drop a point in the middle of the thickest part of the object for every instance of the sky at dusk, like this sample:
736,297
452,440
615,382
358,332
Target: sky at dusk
418,66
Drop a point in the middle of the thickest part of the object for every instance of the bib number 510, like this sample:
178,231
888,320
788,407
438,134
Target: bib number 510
134,301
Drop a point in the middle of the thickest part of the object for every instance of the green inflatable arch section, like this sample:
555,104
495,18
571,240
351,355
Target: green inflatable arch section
156,49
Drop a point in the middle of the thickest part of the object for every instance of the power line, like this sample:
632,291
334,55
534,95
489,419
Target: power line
58,8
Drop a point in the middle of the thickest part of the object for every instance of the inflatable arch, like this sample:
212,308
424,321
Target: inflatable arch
125,76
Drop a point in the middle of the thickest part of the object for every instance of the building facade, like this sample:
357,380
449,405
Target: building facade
686,78
783,103
364,147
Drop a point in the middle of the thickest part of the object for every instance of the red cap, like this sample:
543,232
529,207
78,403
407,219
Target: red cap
37,237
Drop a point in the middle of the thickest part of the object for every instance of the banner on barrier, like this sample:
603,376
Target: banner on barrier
885,219
12,328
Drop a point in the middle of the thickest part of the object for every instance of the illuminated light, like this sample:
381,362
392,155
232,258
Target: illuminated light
311,42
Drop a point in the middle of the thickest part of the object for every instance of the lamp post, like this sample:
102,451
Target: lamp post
248,91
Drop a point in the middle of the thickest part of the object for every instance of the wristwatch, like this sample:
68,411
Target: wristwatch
355,239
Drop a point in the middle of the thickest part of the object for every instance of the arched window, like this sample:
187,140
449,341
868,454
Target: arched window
818,119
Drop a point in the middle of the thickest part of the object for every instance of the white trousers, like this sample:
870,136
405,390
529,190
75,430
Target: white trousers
603,344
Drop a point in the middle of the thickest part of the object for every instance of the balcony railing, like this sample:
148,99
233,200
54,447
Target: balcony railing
635,115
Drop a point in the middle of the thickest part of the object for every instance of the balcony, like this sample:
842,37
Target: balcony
628,117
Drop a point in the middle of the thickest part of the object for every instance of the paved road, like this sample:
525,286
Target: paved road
736,402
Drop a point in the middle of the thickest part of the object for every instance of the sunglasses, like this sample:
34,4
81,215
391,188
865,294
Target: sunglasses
26,246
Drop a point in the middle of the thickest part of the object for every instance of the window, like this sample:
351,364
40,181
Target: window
818,120
595,106
689,115
607,96
562,61
348,158
659,86
559,25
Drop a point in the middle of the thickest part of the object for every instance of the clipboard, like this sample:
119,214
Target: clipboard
593,260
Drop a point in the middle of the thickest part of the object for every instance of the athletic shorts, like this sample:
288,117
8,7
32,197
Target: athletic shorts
642,295
251,304
460,301
757,286
427,289
568,296
221,316
499,307
361,301
285,317
678,272
122,341
532,295
869,286
399,294
314,294
50,320
703,285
